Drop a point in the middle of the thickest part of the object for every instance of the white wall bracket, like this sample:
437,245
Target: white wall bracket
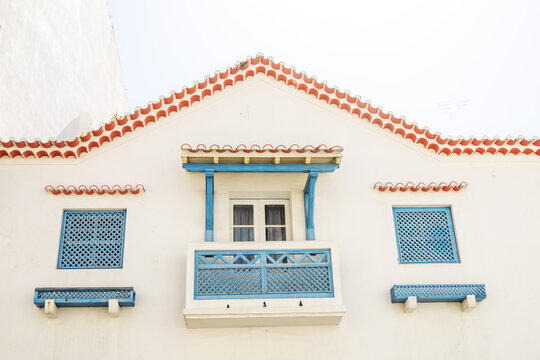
50,309
114,308
410,304
469,303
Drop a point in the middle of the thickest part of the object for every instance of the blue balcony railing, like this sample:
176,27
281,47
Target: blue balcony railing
257,274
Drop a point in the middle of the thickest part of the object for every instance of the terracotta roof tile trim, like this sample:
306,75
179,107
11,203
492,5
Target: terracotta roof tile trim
452,186
95,190
261,149
178,101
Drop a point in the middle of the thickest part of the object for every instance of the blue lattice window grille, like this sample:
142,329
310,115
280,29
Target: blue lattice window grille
92,239
437,293
263,274
425,235
84,297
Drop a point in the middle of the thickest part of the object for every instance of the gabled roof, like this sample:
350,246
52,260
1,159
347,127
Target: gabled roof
178,101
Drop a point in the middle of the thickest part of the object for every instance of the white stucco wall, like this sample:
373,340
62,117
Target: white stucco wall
495,223
58,61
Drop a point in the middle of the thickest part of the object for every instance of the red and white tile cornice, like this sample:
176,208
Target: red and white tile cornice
95,189
262,148
409,186
259,64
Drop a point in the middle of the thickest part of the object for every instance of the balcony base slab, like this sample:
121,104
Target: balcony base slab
256,317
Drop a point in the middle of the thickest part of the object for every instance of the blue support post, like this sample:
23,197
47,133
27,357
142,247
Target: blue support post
209,226
309,198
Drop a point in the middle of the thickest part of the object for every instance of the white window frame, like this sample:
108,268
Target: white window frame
259,221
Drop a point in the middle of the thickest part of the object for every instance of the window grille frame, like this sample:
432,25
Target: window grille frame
450,222
62,240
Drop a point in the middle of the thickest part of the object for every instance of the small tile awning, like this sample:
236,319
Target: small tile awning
323,157
414,187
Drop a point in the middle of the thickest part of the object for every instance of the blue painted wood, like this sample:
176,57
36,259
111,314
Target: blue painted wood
262,274
425,235
437,293
84,297
260,168
209,224
309,203
92,239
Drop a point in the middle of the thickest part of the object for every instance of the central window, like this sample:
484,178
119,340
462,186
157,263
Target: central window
259,219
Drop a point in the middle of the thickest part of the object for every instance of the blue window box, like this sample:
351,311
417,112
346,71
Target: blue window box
84,297
437,293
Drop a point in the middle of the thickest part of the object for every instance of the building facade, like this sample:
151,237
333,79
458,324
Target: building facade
142,239
58,63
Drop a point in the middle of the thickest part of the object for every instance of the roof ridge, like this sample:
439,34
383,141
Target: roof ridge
119,126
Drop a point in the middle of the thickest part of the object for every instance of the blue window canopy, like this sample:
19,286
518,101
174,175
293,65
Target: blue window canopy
312,160
259,159
84,297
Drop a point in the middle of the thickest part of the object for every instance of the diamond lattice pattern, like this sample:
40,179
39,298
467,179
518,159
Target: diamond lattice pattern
425,235
92,239
298,279
222,281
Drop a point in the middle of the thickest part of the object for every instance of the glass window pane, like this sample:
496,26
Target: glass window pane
242,214
243,234
274,214
276,234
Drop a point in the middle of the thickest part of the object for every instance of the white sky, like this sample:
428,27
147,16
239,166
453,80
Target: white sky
459,67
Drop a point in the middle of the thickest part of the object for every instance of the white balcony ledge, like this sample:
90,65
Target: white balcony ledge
290,283
252,316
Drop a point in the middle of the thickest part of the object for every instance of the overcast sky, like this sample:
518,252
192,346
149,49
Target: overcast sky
459,67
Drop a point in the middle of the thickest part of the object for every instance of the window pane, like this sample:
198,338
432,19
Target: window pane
242,214
243,234
274,214
276,234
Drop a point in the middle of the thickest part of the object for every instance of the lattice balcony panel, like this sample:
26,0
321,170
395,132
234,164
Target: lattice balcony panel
437,293
425,235
84,297
263,274
92,239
